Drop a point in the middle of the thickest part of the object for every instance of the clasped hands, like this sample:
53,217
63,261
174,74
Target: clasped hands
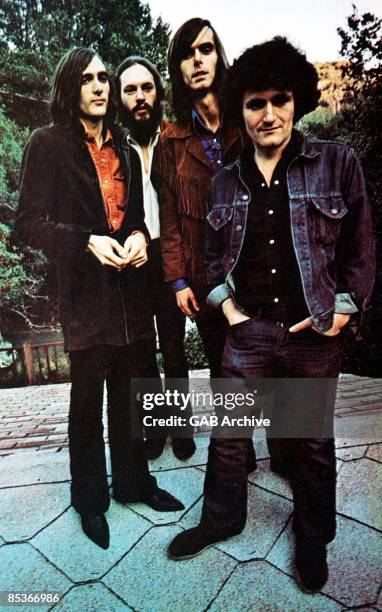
109,252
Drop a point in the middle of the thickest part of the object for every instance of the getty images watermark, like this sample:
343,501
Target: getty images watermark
231,407
178,400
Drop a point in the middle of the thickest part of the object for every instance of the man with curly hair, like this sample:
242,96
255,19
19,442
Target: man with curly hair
290,263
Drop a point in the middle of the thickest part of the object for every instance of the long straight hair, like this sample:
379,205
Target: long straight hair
65,94
182,41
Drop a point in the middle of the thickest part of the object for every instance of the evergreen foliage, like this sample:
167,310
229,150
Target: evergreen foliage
35,34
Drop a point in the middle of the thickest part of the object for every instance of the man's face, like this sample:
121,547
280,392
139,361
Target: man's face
95,88
198,67
138,92
268,117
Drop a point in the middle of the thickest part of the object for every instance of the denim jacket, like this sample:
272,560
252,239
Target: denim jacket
330,223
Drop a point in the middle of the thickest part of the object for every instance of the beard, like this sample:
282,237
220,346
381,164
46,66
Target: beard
142,131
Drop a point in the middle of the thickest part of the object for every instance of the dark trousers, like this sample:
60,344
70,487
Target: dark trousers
260,349
89,370
170,320
212,327
171,324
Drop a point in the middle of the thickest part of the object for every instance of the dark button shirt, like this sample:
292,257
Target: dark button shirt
267,277
212,142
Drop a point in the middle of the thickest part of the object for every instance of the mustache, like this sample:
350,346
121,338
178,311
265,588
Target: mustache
142,106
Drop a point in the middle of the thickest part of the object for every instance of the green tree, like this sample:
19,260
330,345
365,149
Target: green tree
12,139
21,276
21,271
35,33
361,44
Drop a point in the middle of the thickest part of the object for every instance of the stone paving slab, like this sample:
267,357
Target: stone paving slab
252,588
30,467
364,609
354,560
91,597
193,515
168,461
45,407
357,431
260,445
266,479
149,582
365,477
185,484
351,453
267,517
146,579
24,569
375,452
64,543
26,510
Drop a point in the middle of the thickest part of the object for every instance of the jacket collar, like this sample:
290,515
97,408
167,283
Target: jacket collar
178,131
308,149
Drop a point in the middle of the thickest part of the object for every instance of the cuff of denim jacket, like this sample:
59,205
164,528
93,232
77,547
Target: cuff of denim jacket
178,284
217,296
344,304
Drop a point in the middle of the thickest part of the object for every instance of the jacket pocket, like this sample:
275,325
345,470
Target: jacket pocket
327,213
219,216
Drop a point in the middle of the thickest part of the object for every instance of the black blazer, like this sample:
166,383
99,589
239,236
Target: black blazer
60,206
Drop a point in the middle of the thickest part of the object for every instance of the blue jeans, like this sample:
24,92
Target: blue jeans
262,349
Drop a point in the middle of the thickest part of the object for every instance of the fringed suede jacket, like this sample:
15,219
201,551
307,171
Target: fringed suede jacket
186,176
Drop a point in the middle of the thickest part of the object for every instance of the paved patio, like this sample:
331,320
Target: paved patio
43,549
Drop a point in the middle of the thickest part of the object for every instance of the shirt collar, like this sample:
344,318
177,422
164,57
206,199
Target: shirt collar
108,138
200,127
291,151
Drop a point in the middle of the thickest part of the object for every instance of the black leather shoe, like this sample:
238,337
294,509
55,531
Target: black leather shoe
158,499
154,447
183,448
163,501
192,542
311,566
96,528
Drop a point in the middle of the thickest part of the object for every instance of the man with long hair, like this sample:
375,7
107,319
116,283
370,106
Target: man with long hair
81,203
290,263
193,150
141,95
